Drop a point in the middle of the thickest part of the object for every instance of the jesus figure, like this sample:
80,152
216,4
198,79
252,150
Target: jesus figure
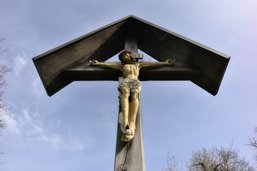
129,87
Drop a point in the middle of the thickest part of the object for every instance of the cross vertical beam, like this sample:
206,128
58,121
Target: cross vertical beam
129,156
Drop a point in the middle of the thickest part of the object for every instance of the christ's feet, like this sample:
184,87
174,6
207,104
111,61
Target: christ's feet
126,137
128,133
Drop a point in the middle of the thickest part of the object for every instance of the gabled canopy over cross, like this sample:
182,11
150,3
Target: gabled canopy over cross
71,62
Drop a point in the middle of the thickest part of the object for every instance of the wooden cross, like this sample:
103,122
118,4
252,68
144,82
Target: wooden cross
71,62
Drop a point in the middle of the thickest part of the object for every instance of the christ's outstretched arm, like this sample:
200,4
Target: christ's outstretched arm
110,65
151,65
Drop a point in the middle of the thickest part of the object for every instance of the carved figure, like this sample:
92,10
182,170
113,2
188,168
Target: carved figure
129,87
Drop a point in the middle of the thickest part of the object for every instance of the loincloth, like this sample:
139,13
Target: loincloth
129,83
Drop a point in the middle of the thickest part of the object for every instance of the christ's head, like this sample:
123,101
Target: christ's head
126,57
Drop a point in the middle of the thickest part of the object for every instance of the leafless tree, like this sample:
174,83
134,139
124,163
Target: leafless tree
253,143
3,71
172,164
216,159
219,159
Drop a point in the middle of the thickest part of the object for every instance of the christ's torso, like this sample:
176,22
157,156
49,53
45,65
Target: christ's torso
131,71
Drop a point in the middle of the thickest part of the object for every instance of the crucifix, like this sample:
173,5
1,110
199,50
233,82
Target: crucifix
178,58
129,87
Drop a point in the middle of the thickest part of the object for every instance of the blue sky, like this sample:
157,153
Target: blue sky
76,128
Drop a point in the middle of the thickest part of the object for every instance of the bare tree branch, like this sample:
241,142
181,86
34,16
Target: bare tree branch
3,71
254,140
219,159
253,143
172,164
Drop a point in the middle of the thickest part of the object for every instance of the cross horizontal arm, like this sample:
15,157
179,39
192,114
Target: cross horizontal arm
101,74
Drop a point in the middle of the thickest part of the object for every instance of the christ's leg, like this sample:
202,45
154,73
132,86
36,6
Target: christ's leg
124,101
134,105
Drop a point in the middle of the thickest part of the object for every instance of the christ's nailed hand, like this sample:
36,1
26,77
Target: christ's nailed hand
93,62
170,61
